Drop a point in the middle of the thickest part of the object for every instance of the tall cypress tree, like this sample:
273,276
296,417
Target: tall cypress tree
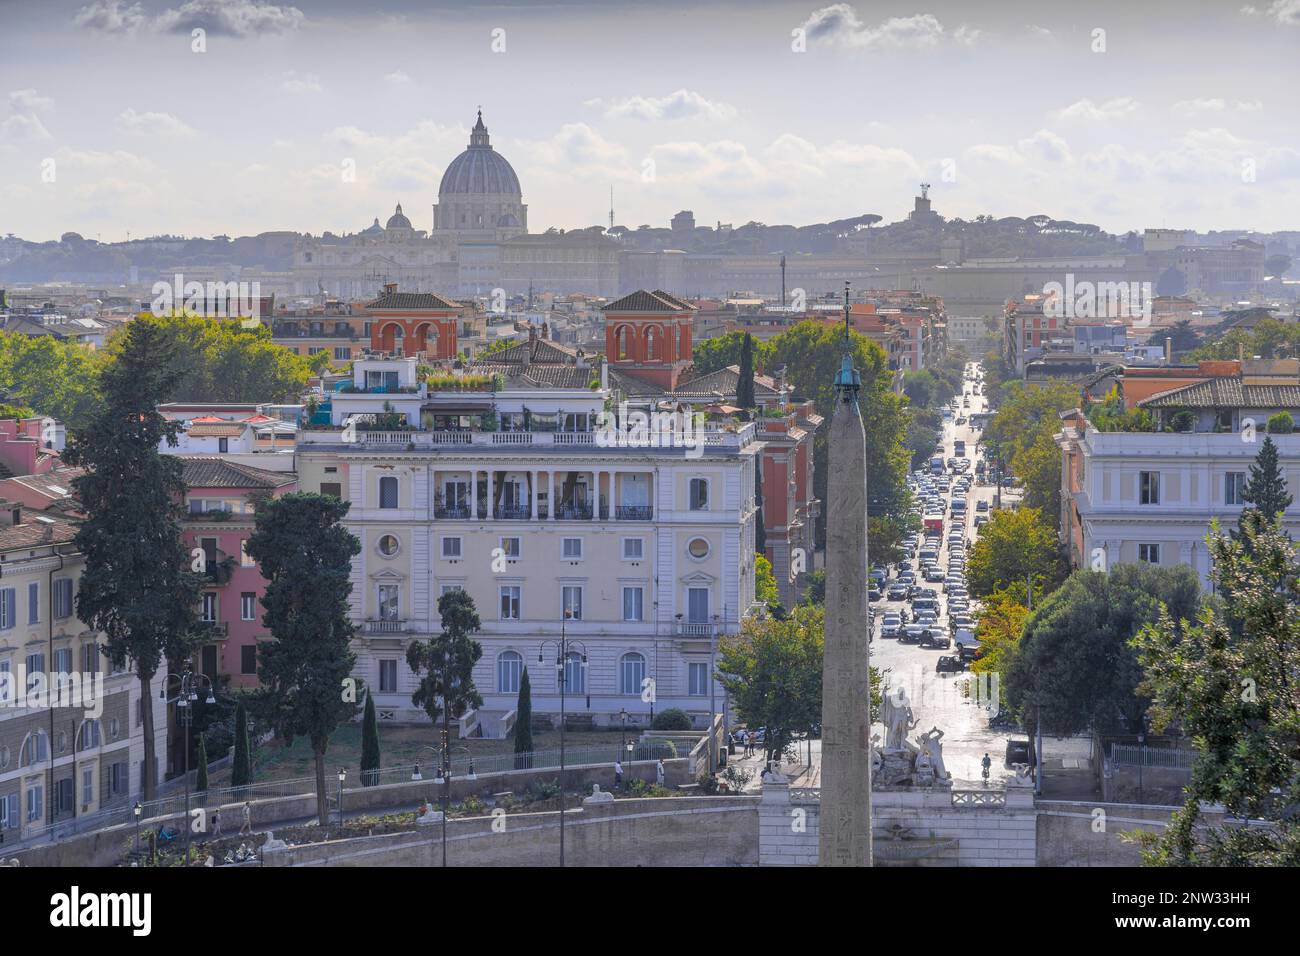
447,660
305,555
745,387
524,724
1265,489
369,744
241,770
137,586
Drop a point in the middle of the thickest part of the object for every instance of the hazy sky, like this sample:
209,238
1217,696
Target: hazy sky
1180,114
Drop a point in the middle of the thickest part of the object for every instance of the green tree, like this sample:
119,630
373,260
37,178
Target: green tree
53,377
1075,666
136,584
201,767
305,554
1281,424
1228,681
772,672
1013,548
999,624
447,661
524,724
765,588
370,759
745,386
721,351
1265,489
241,768
815,592
811,353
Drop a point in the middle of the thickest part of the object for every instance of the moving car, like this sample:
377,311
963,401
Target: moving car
948,664
890,625
897,591
936,639
912,634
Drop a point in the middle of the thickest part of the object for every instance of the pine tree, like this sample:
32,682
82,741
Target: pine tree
137,586
524,724
201,776
1266,490
369,744
447,662
305,554
241,770
745,387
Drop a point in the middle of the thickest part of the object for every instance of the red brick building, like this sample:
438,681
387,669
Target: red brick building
422,324
648,335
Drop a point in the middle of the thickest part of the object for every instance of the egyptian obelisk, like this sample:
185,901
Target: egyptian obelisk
845,820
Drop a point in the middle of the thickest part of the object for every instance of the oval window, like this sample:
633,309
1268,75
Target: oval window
698,548
388,545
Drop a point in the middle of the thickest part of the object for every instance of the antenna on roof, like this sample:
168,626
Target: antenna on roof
611,208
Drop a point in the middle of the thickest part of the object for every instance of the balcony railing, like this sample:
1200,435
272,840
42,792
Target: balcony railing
516,512
685,629
385,626
633,512
217,630
574,512
453,512
714,440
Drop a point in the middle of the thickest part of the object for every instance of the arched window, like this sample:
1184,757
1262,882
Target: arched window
510,666
575,675
653,344
36,749
631,673
88,737
622,343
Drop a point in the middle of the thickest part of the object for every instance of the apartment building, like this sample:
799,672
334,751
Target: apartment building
497,480
220,501
59,762
1151,496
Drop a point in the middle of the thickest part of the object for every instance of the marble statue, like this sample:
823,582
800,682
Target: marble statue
930,746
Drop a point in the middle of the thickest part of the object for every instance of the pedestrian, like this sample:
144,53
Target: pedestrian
618,774
216,824
247,828
986,763
660,775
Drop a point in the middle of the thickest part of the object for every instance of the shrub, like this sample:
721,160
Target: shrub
674,718
1281,424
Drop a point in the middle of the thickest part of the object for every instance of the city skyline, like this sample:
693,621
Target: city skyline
254,133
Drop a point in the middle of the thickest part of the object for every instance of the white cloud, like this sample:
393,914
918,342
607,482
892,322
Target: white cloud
110,16
1216,105
1285,12
295,82
839,24
21,128
231,18
156,125
1087,110
398,78
28,101
681,104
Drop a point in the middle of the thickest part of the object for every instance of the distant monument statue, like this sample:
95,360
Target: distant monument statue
845,828
896,714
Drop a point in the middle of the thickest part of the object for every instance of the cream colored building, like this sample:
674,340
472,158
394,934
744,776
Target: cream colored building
60,763
649,550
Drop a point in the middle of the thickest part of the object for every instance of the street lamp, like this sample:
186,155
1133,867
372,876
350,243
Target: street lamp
343,775
136,811
623,721
713,692
187,696
561,678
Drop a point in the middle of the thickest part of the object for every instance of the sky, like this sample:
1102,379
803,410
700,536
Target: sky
116,120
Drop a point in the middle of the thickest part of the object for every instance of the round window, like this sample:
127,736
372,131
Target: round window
388,545
698,548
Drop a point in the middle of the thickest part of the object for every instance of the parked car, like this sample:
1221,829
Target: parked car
948,664
874,595
937,639
890,625
982,506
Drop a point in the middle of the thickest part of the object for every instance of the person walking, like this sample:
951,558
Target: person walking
247,828
986,763
216,824
618,774
660,775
